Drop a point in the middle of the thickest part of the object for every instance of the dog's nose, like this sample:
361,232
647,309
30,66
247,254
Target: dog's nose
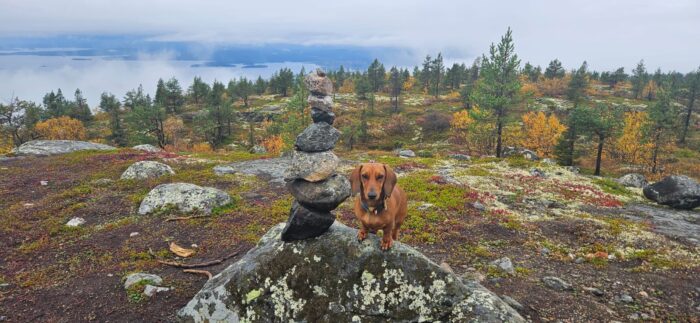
372,195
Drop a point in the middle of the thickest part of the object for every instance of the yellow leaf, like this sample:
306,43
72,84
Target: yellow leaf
180,251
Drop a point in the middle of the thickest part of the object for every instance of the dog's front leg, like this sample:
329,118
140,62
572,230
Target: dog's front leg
362,233
387,240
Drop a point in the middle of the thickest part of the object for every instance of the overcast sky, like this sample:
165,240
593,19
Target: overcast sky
607,33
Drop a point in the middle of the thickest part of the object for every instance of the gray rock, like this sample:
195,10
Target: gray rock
406,153
556,283
678,192
4,285
537,173
318,83
312,167
318,115
151,290
513,303
579,260
148,148
185,197
573,169
479,206
135,278
146,169
594,291
306,224
335,278
626,298
271,169
682,224
75,222
460,157
325,195
317,137
53,147
526,153
505,265
257,149
633,180
548,161
323,103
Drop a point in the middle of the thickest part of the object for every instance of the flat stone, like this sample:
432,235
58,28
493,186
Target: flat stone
557,283
306,224
325,195
151,290
460,157
75,222
317,137
146,169
594,291
135,278
147,148
323,103
678,192
406,153
318,115
184,197
312,167
53,147
513,303
505,265
318,83
270,169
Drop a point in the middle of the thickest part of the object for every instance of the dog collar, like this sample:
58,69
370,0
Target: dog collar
376,210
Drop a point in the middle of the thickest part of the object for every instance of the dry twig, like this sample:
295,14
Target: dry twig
203,264
195,271
182,218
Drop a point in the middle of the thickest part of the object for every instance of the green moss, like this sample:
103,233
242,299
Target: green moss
476,250
418,187
135,291
519,162
612,187
82,190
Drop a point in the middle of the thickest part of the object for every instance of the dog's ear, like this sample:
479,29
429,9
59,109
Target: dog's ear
355,181
389,181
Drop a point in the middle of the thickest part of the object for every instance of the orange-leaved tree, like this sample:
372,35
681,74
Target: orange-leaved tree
541,133
61,128
632,146
473,128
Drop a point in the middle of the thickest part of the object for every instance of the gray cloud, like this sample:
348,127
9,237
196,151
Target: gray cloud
606,33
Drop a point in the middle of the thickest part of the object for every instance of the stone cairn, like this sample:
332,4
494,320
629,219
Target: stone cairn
311,177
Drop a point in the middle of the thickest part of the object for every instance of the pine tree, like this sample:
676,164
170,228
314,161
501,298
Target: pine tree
663,120
554,70
692,90
145,117
639,79
565,149
110,104
376,74
396,84
260,86
499,85
79,108
603,121
578,84
197,92
438,68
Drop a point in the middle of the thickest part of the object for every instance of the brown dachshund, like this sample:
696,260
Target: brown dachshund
382,204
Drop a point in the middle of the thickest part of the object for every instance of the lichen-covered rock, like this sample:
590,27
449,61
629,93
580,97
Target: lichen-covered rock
304,223
323,103
407,153
335,278
633,180
184,197
134,278
147,148
147,169
318,115
321,196
318,83
526,153
317,137
271,169
312,167
53,147
678,192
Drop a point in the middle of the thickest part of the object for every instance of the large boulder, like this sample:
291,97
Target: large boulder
312,167
335,278
54,147
317,137
184,197
678,192
147,169
322,196
633,180
147,148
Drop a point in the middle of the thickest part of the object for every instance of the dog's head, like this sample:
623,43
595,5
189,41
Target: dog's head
373,181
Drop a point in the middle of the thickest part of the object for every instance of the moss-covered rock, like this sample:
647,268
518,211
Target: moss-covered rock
336,278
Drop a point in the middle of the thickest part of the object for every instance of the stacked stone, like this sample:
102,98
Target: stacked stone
311,177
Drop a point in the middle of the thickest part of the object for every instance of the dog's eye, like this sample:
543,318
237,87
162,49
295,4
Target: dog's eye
380,176
365,176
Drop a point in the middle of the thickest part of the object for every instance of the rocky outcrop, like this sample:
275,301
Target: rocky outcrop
678,192
54,147
184,197
633,180
526,153
147,148
335,278
146,169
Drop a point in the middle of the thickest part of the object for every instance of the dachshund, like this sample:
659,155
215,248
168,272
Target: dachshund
382,204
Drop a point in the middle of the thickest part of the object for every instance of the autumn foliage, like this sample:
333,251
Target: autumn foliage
273,144
61,128
631,146
541,133
472,129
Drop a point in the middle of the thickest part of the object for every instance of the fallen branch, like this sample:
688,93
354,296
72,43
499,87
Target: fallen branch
181,218
203,264
195,271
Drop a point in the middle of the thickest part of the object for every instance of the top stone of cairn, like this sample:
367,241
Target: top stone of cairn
318,84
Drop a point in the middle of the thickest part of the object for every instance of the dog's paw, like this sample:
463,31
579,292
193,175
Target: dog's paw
361,235
386,244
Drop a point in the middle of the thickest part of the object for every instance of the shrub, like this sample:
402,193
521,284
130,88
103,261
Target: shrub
273,144
61,128
202,147
434,122
398,125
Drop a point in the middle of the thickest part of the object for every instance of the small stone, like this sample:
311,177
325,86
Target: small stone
460,157
44,183
573,169
318,115
643,294
536,172
133,234
135,278
317,137
28,204
4,285
322,103
75,222
479,206
505,265
312,167
318,83
579,260
544,251
407,153
146,169
513,303
322,196
626,298
594,291
633,316
151,290
548,161
557,283
110,275
3,318
305,224
424,206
